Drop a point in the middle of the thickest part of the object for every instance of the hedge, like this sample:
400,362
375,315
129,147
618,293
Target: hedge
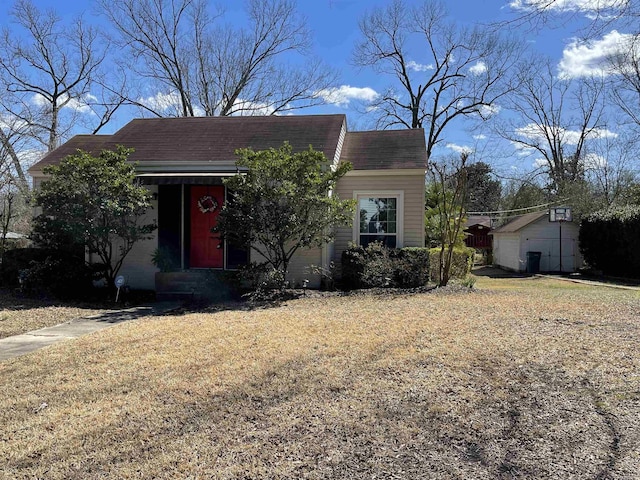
609,240
378,266
461,262
47,271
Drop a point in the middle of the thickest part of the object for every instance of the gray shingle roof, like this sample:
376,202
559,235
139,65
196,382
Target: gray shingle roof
385,149
520,222
214,140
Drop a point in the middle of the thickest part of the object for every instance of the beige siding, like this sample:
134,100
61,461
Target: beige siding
299,267
37,181
412,187
137,267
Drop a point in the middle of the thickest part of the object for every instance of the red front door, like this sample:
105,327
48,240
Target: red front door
206,248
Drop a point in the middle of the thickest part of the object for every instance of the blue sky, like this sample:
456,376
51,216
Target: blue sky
335,29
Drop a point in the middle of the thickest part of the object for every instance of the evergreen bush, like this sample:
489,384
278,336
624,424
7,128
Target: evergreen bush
609,240
378,266
461,262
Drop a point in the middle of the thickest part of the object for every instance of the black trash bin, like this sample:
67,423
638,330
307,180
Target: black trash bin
533,262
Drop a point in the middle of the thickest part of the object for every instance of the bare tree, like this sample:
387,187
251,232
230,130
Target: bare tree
602,14
205,67
49,69
12,131
461,72
625,78
450,183
555,117
611,167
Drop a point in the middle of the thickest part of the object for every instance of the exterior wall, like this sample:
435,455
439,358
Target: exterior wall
137,267
506,251
37,181
510,249
412,186
544,236
299,270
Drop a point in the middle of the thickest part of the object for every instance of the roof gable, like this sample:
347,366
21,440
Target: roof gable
385,149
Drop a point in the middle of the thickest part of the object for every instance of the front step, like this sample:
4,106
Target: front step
190,285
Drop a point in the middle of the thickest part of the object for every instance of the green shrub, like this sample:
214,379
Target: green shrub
67,278
412,268
378,266
609,239
461,262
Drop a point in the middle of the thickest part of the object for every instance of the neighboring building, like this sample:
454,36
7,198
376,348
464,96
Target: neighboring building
534,232
477,232
183,160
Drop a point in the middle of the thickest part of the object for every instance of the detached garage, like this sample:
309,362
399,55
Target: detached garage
532,233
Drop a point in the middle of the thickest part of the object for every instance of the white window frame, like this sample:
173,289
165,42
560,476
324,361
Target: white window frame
397,194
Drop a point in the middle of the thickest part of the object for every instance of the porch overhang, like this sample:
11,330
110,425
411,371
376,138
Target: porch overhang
184,178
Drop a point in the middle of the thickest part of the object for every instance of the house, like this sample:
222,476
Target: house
184,160
557,243
477,229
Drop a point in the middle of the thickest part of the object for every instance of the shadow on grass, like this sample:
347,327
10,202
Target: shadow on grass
495,272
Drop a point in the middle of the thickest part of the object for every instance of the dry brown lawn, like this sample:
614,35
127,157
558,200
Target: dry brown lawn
521,378
21,315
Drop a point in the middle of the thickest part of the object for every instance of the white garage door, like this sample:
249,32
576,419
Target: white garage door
550,248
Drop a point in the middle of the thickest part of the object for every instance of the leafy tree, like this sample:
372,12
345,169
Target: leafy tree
283,203
434,198
483,191
94,201
520,195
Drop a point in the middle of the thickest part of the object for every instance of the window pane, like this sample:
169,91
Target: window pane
373,212
388,241
391,227
391,215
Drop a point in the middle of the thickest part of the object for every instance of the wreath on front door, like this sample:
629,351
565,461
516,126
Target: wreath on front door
207,204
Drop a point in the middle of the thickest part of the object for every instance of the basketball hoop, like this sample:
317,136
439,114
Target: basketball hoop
560,214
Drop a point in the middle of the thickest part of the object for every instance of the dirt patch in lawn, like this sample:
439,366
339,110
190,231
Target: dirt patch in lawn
541,380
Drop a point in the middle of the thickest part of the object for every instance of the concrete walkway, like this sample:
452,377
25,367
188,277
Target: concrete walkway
17,345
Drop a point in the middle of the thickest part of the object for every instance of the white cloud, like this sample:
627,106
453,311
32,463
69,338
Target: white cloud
540,163
11,123
76,104
593,161
419,67
250,108
568,5
459,148
162,102
481,136
582,59
489,110
343,95
567,137
479,68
